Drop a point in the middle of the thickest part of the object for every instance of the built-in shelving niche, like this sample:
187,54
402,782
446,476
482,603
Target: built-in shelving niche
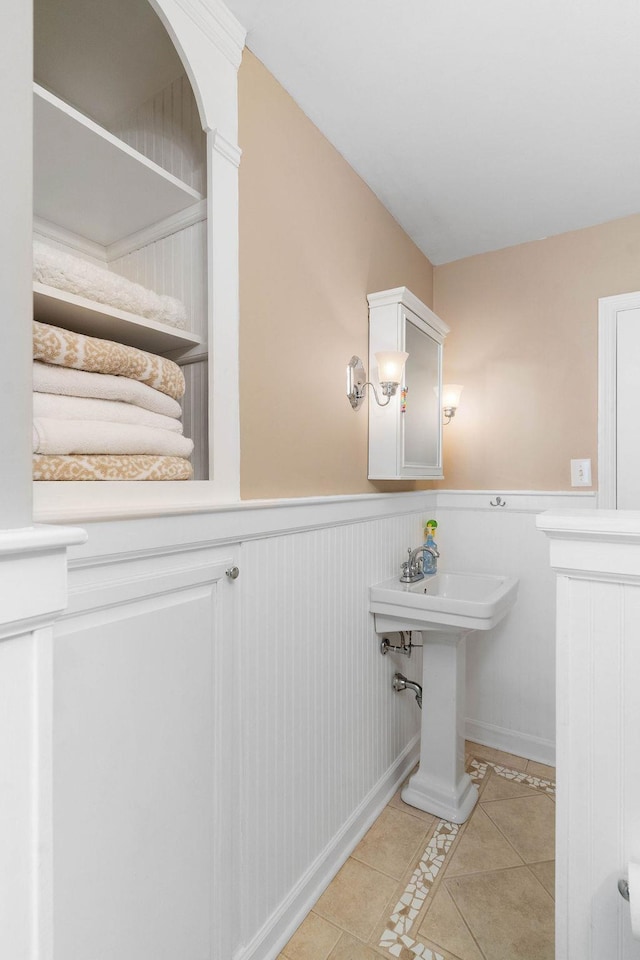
120,180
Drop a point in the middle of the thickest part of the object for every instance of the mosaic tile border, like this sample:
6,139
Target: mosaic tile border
395,937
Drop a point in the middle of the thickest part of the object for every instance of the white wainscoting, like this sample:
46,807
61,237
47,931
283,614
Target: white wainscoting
143,759
324,731
510,669
316,740
597,561
319,741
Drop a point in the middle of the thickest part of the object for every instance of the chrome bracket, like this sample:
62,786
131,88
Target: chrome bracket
404,648
356,381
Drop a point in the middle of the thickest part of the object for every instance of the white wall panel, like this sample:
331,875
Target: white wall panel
175,265
167,130
597,560
195,416
132,818
510,669
320,722
142,760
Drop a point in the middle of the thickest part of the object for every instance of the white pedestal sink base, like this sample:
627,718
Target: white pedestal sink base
425,793
440,785
445,607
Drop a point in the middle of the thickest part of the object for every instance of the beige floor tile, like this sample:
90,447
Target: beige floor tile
444,927
497,788
481,847
508,912
546,874
398,803
393,842
356,898
496,756
313,940
528,823
350,949
435,948
541,770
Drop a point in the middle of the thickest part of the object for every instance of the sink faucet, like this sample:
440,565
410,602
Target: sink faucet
412,567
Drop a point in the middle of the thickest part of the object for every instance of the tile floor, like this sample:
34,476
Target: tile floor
419,888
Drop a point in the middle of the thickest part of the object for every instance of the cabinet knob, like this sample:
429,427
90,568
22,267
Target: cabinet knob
232,572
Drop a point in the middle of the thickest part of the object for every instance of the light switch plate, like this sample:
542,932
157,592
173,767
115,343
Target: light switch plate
581,473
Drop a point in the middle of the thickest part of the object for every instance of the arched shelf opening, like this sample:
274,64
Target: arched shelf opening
127,126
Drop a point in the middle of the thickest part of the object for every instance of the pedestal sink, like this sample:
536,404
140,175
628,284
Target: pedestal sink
445,608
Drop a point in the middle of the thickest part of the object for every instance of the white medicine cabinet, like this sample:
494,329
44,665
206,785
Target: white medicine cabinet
405,438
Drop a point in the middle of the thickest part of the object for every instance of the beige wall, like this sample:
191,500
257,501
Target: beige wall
314,241
524,327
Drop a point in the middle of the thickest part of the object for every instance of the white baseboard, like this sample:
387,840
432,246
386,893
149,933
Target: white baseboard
511,741
280,927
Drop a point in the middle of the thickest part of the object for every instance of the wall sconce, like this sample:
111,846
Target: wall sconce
450,400
390,372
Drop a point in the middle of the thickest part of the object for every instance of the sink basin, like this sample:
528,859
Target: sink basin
467,601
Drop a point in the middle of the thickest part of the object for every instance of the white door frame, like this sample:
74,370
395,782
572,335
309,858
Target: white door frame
608,309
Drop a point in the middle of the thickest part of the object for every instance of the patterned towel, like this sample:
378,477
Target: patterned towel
64,381
110,468
76,350
100,436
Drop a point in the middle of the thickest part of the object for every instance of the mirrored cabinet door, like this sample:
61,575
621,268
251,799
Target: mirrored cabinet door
420,420
405,437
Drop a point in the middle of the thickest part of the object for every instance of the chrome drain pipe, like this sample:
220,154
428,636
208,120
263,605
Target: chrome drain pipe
401,683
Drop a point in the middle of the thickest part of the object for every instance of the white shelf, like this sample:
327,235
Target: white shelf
90,182
72,312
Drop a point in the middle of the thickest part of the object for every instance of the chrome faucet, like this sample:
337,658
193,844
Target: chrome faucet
412,567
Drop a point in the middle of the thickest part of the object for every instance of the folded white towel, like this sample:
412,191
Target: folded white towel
50,378
100,436
91,408
59,269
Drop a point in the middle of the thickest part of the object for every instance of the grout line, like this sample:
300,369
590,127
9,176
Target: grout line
389,876
476,873
529,865
381,915
459,911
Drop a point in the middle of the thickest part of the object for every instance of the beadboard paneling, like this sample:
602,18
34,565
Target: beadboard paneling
167,130
316,724
195,416
510,669
176,266
320,724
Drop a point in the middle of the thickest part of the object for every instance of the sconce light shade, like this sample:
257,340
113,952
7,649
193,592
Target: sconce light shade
390,373
451,399
391,367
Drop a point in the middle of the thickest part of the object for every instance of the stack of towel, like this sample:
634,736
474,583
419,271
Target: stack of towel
105,411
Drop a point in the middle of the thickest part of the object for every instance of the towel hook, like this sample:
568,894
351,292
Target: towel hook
498,503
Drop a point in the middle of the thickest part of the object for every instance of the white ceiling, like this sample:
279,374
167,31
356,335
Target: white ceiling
478,124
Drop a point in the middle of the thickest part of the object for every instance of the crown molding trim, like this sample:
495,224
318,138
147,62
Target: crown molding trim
217,22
